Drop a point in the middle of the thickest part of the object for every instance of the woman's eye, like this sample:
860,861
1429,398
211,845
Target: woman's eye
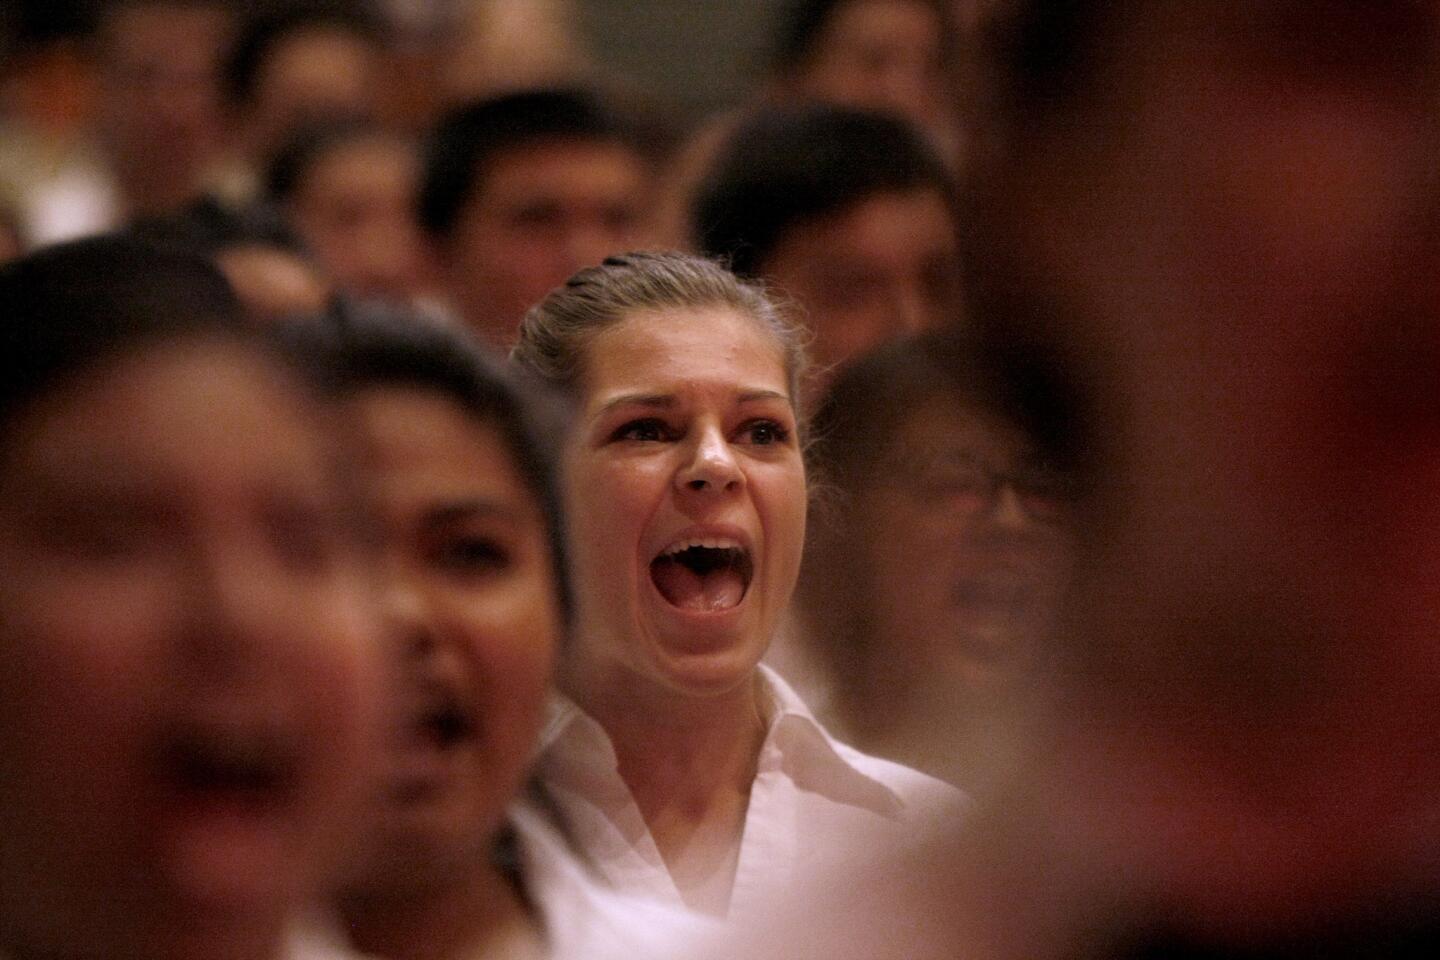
645,431
472,554
764,433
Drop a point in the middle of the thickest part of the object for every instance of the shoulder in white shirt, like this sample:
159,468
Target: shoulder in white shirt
814,801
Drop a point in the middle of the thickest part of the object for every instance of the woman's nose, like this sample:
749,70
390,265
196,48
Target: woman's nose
711,465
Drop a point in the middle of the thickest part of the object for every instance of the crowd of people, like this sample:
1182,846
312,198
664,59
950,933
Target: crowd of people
970,498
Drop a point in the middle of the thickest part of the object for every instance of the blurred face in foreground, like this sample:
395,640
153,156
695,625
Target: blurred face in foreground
473,604
186,658
1241,217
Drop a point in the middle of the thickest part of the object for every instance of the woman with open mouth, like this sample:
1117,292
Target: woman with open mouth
187,648
458,464
678,765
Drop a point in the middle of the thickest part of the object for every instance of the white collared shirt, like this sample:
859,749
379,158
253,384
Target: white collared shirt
584,917
813,799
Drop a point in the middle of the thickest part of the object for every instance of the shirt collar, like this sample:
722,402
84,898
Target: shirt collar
796,745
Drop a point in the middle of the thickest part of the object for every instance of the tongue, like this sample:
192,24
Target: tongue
717,589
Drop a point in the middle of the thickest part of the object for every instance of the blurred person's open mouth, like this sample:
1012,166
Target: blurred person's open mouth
437,730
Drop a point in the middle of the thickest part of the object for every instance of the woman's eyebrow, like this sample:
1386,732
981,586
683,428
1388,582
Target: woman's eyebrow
665,401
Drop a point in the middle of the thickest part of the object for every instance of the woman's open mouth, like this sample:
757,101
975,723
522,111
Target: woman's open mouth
704,575
243,769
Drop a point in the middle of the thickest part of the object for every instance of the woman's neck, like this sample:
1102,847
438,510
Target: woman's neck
444,922
689,763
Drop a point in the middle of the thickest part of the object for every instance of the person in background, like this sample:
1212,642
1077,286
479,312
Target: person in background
296,65
680,767
896,56
145,127
160,123
188,652
520,191
504,45
936,563
348,189
849,213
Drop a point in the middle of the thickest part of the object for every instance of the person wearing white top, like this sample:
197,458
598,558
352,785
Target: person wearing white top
813,799
456,468
686,497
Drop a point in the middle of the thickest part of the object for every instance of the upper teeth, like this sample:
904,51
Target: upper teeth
712,543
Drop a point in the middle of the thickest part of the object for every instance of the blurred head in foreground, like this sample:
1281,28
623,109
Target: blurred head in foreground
459,472
186,649
1212,227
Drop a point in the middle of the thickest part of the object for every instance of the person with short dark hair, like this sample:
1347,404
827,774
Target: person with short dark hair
850,213
892,55
522,190
348,187
294,65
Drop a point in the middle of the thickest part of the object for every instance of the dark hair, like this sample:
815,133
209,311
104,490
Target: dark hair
787,165
856,419
207,227
309,144
469,137
69,306
803,25
372,344
264,31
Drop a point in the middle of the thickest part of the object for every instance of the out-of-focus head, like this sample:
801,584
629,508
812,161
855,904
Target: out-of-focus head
522,190
270,269
460,463
187,651
684,484
159,118
349,190
302,64
848,212
890,55
944,550
1213,224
